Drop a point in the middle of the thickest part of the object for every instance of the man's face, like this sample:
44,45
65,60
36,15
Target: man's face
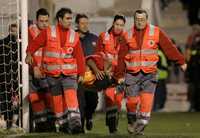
43,21
118,26
83,25
13,30
66,21
140,21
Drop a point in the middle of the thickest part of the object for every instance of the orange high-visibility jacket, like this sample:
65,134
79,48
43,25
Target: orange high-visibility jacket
57,59
110,50
37,56
145,57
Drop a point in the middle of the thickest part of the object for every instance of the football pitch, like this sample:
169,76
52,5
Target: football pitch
162,125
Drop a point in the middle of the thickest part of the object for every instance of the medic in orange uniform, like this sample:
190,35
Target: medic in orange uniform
138,66
103,64
64,65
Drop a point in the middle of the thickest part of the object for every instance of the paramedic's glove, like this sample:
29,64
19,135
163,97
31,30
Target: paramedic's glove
38,73
183,67
29,59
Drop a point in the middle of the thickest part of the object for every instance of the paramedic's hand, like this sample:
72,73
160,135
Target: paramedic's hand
29,59
80,79
183,67
121,80
37,73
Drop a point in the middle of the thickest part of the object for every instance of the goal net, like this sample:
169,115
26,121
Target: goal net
11,65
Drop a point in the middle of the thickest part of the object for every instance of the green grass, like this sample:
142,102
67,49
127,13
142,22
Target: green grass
162,125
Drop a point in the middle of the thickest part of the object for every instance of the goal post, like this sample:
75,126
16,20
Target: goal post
25,74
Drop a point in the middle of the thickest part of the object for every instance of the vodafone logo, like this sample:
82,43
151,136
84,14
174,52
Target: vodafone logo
70,50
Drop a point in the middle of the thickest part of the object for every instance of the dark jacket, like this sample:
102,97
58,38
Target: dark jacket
89,42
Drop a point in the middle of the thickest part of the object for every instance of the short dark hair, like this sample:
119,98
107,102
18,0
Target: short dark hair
119,16
12,25
61,13
79,16
140,11
41,11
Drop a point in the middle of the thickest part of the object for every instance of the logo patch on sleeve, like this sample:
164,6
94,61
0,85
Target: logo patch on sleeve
94,43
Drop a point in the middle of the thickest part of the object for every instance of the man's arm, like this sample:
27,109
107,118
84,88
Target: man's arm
78,54
121,66
170,49
30,39
34,45
95,68
39,41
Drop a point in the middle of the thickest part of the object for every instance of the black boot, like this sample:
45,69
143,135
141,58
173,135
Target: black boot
112,122
74,126
112,125
89,124
41,127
